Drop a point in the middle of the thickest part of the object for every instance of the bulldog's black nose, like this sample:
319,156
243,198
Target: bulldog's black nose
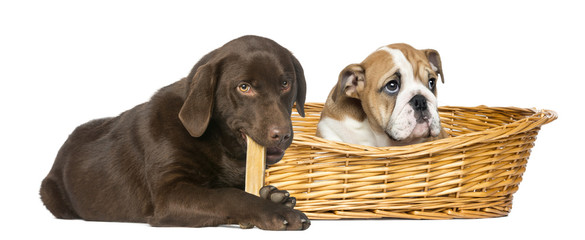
419,103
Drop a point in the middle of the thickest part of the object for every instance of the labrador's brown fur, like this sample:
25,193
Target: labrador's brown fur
179,159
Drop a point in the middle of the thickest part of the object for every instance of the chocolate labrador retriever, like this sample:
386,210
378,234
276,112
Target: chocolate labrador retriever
179,159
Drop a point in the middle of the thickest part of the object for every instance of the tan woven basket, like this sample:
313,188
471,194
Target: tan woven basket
472,174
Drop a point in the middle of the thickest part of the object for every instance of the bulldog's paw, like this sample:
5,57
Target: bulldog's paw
277,196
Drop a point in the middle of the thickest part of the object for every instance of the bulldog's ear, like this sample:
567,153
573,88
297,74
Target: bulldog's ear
301,87
435,60
197,108
350,79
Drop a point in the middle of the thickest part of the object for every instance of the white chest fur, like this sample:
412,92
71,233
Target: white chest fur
349,130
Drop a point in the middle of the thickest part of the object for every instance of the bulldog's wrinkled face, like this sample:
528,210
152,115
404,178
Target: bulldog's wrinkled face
399,92
411,85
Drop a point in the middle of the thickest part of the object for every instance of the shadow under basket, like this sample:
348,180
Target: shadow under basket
471,174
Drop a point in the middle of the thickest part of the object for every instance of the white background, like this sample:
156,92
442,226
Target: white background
63,63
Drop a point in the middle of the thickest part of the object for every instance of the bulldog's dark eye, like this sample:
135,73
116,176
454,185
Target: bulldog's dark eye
432,83
392,87
244,87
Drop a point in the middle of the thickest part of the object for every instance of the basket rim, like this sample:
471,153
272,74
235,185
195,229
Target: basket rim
534,118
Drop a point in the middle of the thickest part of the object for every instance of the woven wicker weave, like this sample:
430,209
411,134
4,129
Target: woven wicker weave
472,174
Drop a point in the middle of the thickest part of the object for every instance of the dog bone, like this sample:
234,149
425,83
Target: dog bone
255,166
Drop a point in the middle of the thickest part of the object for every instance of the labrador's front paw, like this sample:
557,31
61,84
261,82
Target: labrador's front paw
278,213
277,196
280,217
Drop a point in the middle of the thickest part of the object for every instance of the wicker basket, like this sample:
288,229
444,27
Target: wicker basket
472,174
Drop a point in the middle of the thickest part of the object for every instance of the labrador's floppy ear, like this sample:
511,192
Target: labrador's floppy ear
349,80
435,60
198,106
301,86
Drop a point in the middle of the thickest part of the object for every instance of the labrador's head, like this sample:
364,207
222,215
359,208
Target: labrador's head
246,87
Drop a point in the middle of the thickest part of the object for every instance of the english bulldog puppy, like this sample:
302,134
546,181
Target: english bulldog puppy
389,99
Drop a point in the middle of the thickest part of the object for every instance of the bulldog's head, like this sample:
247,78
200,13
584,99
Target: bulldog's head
397,87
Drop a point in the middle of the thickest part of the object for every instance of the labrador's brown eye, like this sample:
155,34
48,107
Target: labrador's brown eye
285,84
244,87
